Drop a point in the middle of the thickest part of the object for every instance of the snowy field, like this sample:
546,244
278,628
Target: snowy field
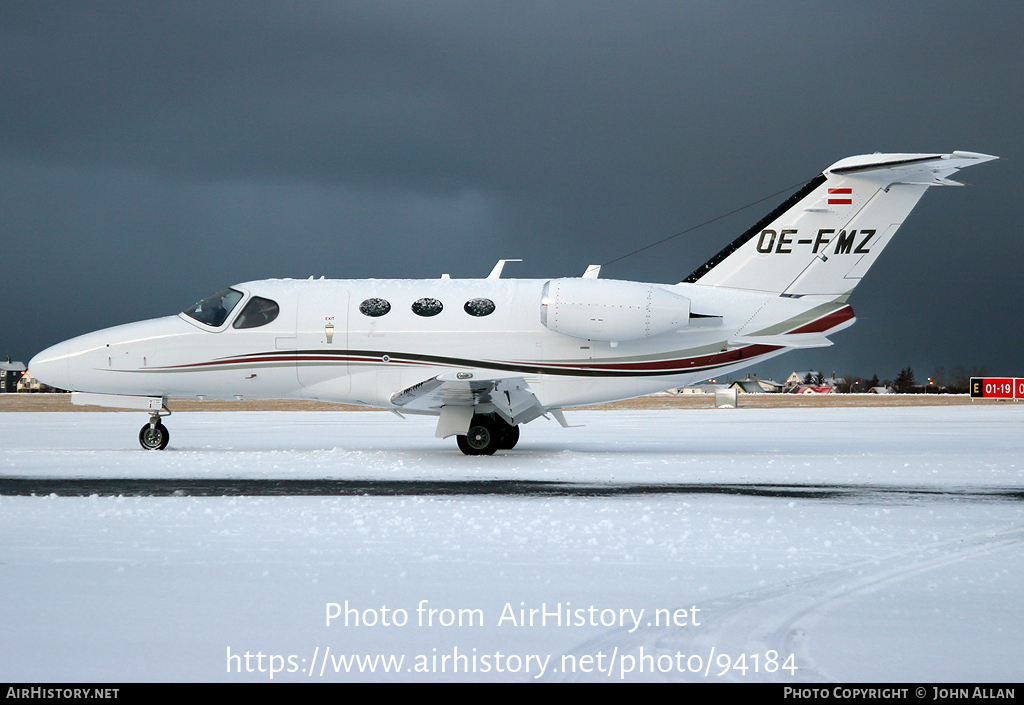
789,545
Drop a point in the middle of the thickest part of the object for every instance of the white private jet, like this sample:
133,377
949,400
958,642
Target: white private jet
486,355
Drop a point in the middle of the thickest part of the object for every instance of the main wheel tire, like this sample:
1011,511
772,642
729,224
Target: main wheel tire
509,438
464,445
154,436
482,438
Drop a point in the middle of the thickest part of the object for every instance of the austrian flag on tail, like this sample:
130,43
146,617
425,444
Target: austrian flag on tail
833,194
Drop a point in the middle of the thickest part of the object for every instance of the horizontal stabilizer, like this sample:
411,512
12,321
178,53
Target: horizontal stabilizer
929,169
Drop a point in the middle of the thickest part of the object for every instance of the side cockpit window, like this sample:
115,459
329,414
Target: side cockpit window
214,310
258,312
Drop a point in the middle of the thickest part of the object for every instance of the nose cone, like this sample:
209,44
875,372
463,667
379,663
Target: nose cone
51,366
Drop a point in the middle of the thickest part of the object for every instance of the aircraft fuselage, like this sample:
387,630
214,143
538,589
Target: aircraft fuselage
320,346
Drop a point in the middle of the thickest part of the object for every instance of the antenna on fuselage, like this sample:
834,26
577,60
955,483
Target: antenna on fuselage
496,272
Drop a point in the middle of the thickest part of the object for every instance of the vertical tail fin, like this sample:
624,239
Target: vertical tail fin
823,239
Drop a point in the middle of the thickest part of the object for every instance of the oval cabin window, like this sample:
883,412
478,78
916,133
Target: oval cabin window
427,307
374,308
479,307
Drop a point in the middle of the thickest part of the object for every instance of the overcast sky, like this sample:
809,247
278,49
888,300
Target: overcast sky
154,152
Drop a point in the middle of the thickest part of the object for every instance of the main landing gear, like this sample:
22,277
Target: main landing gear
486,434
154,435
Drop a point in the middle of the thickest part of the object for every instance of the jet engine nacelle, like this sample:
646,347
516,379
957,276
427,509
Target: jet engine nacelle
607,310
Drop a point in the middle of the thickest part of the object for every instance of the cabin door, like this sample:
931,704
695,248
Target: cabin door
321,333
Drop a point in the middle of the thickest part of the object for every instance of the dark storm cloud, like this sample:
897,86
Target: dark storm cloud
155,151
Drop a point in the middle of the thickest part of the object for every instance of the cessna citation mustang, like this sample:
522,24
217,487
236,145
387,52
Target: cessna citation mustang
486,355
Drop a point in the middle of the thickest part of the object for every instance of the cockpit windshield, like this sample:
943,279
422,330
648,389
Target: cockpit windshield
214,310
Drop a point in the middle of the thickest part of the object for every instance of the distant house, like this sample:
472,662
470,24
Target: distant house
770,385
879,390
797,378
834,381
752,385
703,388
28,383
808,389
10,373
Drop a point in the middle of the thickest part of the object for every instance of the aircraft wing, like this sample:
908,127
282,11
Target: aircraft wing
788,340
455,395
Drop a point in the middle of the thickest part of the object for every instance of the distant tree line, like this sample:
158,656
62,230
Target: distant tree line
955,381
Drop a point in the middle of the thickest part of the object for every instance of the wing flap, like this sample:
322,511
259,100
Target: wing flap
509,397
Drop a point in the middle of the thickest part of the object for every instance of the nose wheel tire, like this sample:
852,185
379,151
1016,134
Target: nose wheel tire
154,436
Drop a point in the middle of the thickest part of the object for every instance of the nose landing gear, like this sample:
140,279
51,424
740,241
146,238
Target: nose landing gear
154,435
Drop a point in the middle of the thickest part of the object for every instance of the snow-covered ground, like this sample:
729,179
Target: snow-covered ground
871,544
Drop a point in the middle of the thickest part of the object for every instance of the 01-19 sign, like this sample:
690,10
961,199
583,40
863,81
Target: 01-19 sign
997,388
